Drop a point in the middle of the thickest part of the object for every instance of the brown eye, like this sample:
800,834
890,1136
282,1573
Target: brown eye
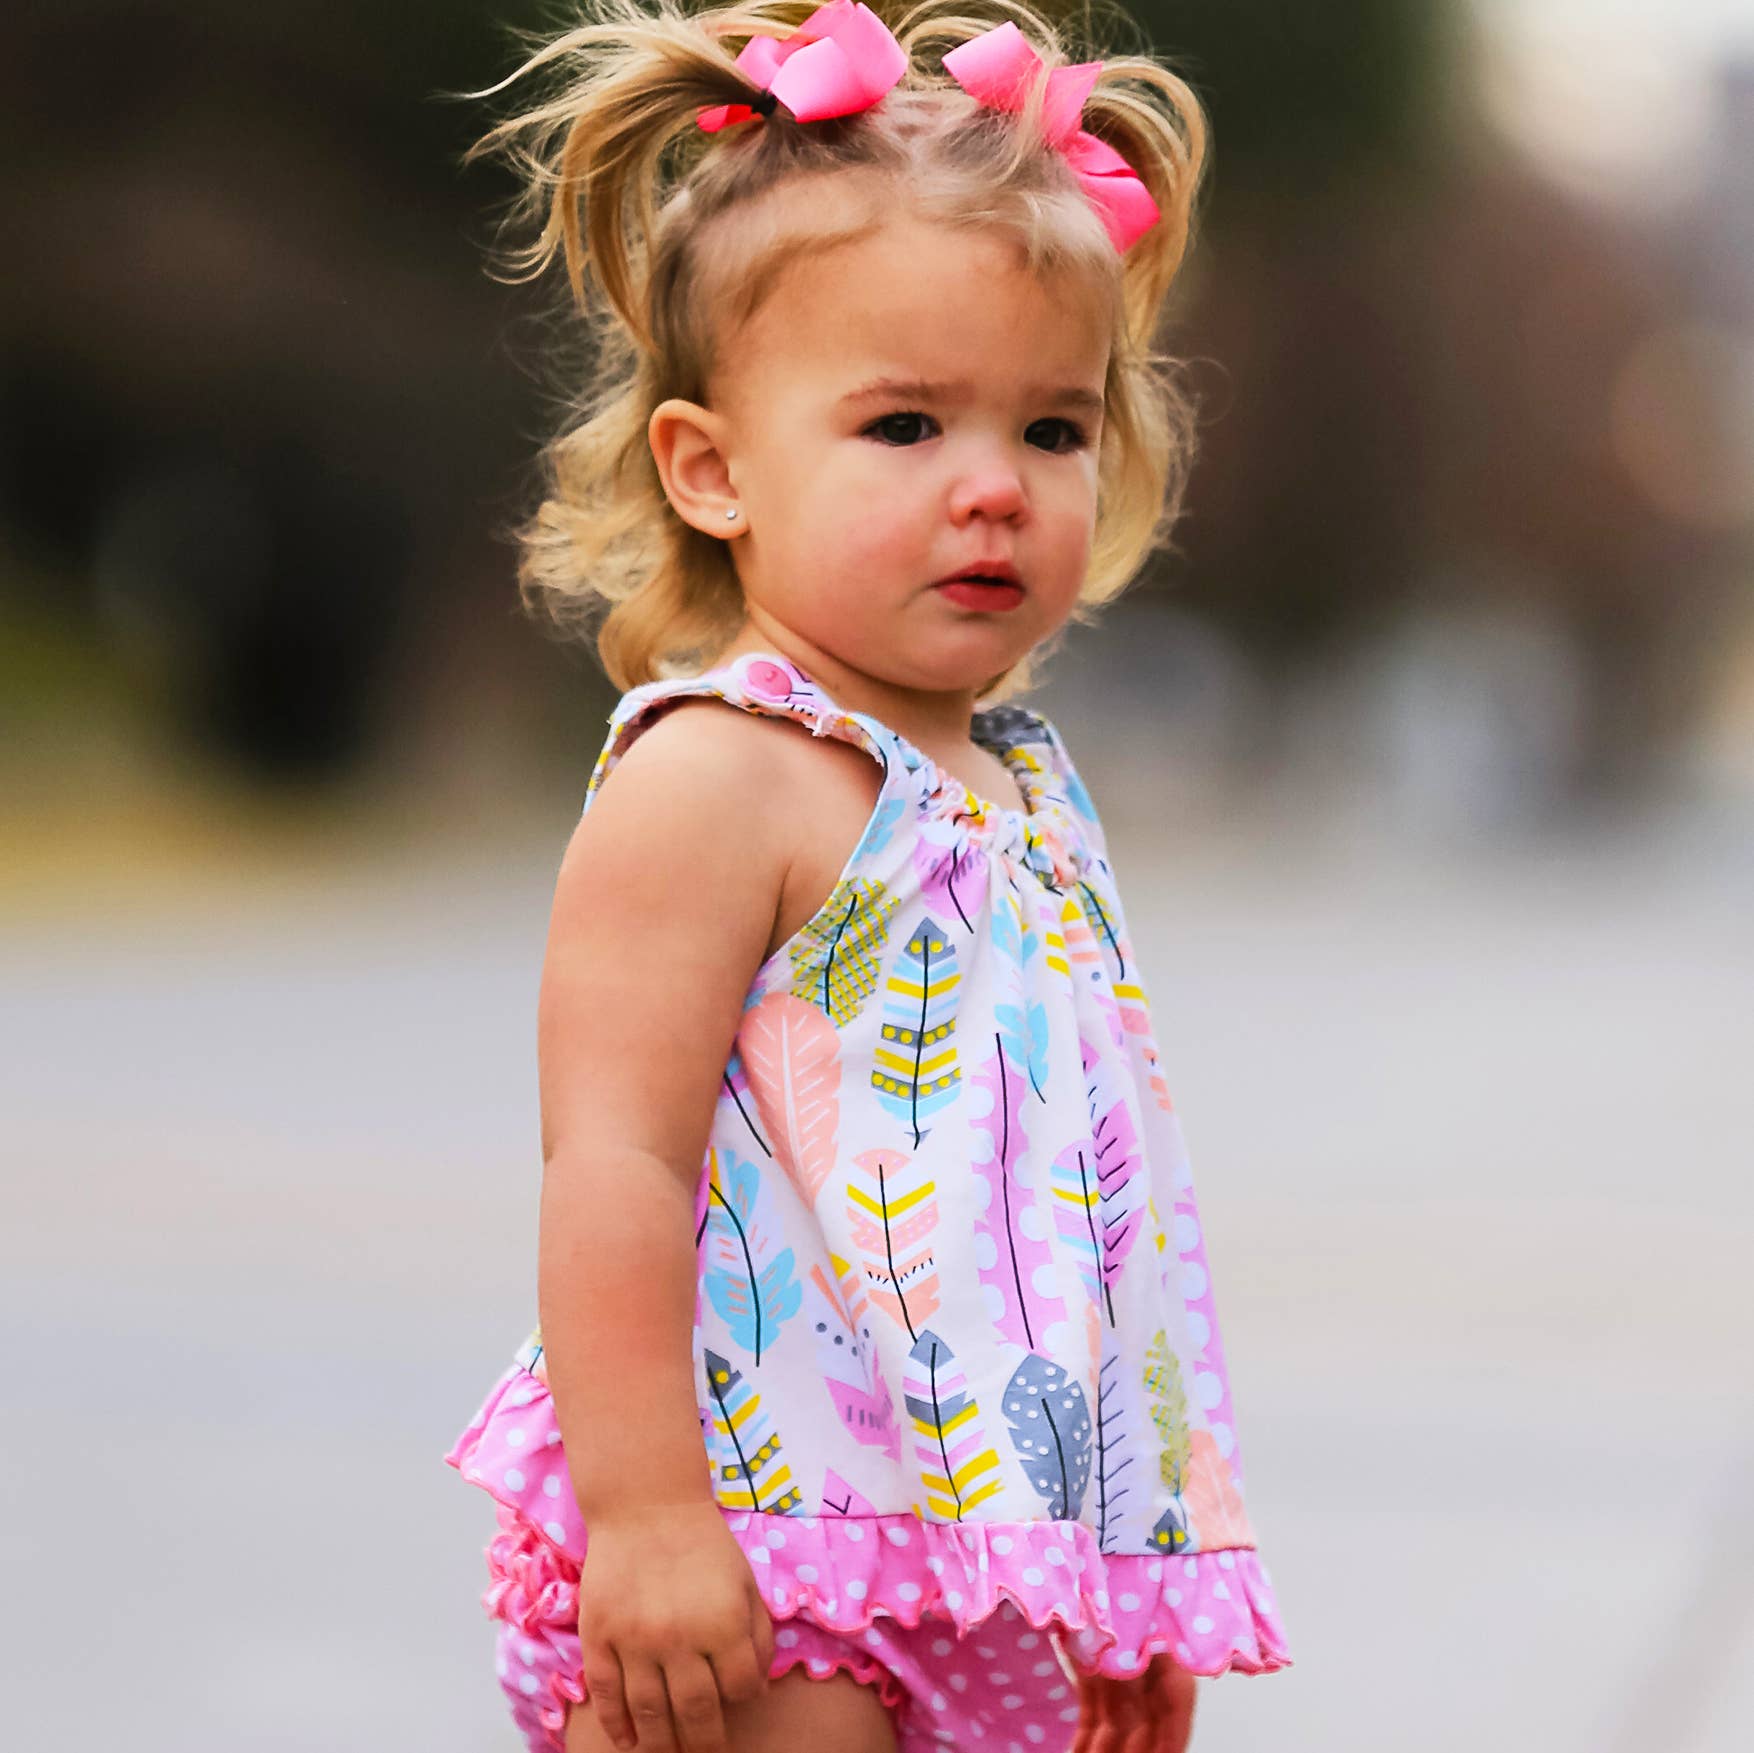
1072,435
900,429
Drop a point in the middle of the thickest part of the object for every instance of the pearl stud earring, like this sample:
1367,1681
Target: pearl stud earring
730,511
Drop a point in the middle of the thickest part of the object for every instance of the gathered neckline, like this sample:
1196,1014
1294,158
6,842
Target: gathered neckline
1034,793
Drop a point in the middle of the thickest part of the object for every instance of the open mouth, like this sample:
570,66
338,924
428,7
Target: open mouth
977,591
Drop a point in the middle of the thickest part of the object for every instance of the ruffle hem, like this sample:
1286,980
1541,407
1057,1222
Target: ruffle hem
1214,1612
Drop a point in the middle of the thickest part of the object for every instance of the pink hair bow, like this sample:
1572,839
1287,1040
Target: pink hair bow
840,60
997,68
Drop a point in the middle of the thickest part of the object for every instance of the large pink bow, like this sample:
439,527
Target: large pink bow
997,68
840,60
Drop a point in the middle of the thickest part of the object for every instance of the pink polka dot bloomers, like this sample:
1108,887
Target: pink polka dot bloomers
962,1395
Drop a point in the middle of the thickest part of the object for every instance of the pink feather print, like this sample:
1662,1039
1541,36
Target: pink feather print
840,1499
792,1053
892,1205
860,1395
1013,1227
1120,1168
951,868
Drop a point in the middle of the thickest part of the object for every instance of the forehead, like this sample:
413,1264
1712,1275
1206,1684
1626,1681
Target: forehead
917,299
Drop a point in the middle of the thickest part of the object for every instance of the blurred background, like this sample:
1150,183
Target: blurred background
1435,812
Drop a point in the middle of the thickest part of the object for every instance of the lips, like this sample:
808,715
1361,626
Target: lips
973,591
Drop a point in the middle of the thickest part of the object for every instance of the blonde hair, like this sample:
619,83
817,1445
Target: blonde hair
644,208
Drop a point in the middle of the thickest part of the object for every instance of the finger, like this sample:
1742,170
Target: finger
739,1671
648,1704
761,1630
606,1690
694,1705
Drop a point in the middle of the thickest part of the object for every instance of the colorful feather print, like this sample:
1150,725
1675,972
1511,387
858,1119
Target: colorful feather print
916,1072
1104,917
1053,938
841,1499
1077,1207
1120,1167
849,1371
1014,1255
793,1055
749,1468
893,1206
1168,1404
736,1082
1087,966
1113,1454
1049,1420
881,825
952,869
957,1465
1022,1020
838,956
753,1288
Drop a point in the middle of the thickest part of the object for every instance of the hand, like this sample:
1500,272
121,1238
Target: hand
671,1627
1151,1713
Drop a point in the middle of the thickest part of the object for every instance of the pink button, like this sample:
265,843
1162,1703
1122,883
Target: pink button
768,680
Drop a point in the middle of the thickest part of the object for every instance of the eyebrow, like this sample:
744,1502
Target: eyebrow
918,389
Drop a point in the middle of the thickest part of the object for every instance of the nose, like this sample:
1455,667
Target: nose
990,486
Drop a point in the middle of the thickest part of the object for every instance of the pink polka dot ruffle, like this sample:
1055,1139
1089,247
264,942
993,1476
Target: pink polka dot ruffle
1213,1612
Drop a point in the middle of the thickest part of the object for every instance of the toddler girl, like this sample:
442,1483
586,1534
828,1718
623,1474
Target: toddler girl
877,1356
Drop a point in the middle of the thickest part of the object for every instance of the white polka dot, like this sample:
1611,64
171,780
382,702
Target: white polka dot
1011,1700
499,1666
528,1683
942,1646
1035,1578
908,1591
1199,1330
1154,1569
1041,1670
1208,1390
827,1606
775,1537
1189,1567
1129,1603
985,1654
896,1536
528,1652
1227,1561
1028,1641
1182,1650
873,1635
785,1637
1046,1277
1000,1679
818,1666
555,1532
953,1598
1035,1732
856,1588
551,1485
935,1565
853,1531
940,1702
806,1573
1001,1543
1055,1556
1173,1597
1128,1658
1221,1591
959,1682
519,1397
1070,1714
1102,1597
515,1439
1187,1233
552,1438
1056,1694
1202,1624
514,1479
1193,1281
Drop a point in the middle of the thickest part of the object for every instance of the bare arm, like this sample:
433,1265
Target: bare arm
662,914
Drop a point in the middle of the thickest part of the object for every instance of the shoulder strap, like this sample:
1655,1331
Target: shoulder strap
1035,742
757,682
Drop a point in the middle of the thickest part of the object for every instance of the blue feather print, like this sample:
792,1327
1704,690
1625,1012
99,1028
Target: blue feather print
916,1073
1022,1026
754,1289
1050,1430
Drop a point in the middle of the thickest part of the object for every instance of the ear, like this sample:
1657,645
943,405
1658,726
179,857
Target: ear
688,445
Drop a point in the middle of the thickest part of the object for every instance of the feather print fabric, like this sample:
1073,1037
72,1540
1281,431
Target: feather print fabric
950,1262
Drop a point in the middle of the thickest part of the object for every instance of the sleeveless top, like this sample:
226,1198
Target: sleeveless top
952,1285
